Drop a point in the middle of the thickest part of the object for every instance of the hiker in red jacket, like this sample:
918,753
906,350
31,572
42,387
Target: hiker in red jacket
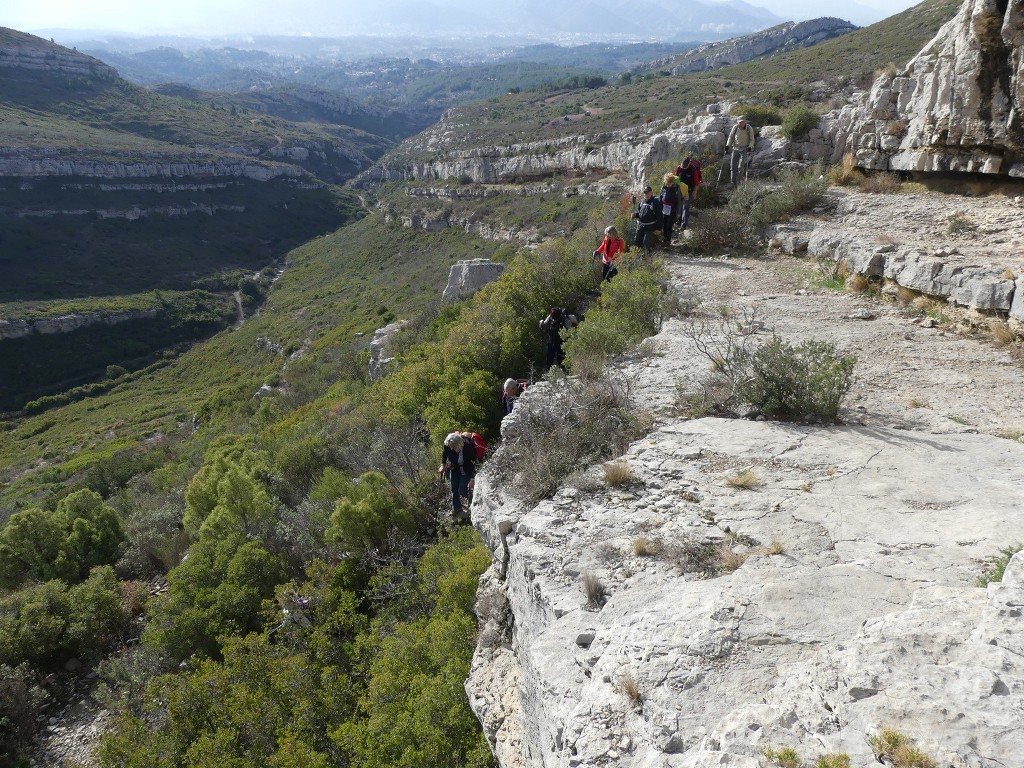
610,248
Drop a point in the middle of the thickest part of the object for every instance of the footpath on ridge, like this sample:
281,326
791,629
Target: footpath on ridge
868,617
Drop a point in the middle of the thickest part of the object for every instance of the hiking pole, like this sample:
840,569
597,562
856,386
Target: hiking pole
721,170
746,165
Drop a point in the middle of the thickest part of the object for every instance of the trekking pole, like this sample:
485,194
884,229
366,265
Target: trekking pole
746,165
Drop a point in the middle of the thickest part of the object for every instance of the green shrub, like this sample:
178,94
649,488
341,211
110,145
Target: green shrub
631,309
758,114
806,382
997,565
81,533
46,624
798,122
217,592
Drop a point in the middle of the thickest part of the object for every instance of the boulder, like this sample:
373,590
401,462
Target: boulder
469,276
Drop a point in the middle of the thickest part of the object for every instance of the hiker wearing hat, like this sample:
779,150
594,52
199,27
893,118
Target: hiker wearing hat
610,248
457,463
741,143
648,217
688,173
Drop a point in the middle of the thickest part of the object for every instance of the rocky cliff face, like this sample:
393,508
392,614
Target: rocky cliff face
954,107
16,329
18,50
778,39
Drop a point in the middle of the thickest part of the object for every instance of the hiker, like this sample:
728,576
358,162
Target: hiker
509,392
552,326
648,217
610,248
671,204
740,143
688,173
457,462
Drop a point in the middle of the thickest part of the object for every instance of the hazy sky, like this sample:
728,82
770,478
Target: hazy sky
298,16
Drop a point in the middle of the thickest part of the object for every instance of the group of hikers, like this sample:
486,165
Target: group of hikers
671,207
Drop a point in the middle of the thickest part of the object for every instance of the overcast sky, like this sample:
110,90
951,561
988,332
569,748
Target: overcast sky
297,16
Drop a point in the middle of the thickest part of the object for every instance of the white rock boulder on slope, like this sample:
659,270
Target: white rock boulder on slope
869,617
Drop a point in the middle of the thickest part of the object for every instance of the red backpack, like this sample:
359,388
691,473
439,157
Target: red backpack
479,444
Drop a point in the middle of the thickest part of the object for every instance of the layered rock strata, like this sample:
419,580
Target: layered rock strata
777,39
955,107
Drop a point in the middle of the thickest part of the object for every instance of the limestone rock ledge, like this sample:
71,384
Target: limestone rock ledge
956,106
869,617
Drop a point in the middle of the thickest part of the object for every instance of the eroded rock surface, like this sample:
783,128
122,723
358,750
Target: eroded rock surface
956,105
855,606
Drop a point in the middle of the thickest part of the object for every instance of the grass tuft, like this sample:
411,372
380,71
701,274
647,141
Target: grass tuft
593,589
747,479
617,473
628,687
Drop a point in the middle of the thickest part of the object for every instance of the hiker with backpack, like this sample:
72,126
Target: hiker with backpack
688,173
552,326
457,459
671,204
610,248
648,217
740,143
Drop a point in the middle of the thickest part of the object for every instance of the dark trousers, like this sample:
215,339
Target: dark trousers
460,488
669,222
643,235
553,355
608,271
687,202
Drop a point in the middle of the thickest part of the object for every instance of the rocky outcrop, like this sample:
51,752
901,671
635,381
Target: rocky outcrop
16,329
36,163
21,51
848,605
469,276
380,361
778,39
954,107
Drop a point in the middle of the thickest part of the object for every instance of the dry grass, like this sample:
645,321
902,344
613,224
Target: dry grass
840,760
593,589
881,184
906,296
807,487
728,560
915,402
1009,274
846,174
927,305
899,750
858,283
628,687
644,547
787,757
617,473
897,128
776,547
748,479
1001,332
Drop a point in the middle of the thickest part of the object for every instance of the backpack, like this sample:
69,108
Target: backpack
479,444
